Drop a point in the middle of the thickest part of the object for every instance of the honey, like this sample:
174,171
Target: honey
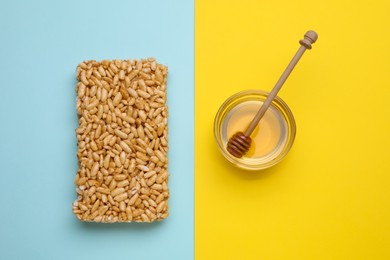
265,137
271,139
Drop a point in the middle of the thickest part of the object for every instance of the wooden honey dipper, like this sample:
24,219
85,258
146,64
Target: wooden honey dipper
240,142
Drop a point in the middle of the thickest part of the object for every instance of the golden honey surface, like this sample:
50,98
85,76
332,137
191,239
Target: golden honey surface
266,135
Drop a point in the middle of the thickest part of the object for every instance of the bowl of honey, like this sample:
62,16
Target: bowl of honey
273,137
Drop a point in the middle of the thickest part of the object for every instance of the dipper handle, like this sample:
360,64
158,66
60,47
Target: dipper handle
309,38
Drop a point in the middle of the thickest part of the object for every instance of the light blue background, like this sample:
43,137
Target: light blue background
41,44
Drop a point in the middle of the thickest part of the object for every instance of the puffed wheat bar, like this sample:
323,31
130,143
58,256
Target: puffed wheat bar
122,141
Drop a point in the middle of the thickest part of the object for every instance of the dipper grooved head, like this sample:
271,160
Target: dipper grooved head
239,144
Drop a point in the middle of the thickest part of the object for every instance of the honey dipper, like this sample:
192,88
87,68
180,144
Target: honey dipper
240,142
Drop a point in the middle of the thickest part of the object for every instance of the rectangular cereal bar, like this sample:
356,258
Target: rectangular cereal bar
122,141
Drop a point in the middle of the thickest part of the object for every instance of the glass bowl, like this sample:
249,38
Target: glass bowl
271,140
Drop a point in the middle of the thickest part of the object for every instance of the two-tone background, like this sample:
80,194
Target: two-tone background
329,199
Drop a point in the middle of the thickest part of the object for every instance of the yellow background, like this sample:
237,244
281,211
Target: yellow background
330,197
